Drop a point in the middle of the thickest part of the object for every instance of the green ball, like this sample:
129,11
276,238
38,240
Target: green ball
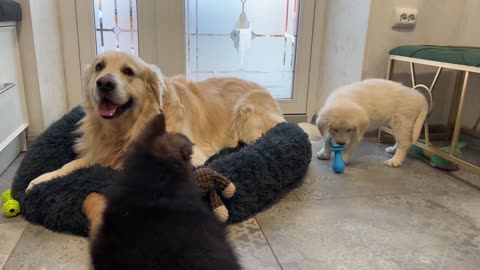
6,195
11,208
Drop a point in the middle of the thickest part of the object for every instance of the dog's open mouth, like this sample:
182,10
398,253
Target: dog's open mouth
110,110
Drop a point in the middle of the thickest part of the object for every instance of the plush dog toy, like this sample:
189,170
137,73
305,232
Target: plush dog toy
210,181
437,161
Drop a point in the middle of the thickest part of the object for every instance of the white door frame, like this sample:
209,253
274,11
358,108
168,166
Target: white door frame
78,36
71,55
298,103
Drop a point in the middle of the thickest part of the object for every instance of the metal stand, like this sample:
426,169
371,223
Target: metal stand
456,108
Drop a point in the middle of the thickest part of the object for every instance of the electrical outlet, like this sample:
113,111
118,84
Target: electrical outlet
404,18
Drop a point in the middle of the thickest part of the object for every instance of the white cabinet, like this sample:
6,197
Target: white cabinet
13,112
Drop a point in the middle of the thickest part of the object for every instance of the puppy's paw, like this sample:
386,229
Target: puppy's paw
393,163
93,200
391,149
323,155
30,186
94,205
346,158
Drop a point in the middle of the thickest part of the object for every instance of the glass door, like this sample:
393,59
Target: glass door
266,41
254,40
116,26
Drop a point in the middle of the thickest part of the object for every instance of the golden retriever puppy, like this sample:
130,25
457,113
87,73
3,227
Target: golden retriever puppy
122,94
352,110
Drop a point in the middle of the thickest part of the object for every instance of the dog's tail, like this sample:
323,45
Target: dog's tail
417,126
311,130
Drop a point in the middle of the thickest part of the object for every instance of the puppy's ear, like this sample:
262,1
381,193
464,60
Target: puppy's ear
155,128
323,123
154,81
184,145
362,125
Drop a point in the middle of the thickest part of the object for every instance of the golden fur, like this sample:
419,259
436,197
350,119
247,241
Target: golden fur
213,113
353,109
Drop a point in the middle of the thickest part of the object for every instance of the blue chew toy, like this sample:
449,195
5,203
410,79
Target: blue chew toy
338,164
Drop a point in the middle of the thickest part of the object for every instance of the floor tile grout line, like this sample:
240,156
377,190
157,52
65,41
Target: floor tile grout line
456,178
15,246
395,194
454,212
268,243
362,196
12,222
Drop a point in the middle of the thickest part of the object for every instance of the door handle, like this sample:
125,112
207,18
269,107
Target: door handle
5,87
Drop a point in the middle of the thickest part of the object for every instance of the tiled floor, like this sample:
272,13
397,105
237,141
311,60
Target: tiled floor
371,217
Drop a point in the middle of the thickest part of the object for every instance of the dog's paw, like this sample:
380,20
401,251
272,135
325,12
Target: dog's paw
346,158
198,161
323,155
33,183
42,178
391,149
393,163
198,157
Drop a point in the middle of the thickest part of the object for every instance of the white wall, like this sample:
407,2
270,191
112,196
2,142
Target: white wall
46,33
29,69
446,22
42,63
346,23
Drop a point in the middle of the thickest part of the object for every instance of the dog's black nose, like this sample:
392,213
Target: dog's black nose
340,143
106,83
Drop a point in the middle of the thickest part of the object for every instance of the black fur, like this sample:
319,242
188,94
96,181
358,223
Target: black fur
155,218
262,172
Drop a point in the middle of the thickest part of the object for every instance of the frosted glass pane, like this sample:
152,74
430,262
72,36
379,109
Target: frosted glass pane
217,54
116,25
277,58
251,39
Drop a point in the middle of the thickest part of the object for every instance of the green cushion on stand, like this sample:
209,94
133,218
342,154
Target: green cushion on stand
469,56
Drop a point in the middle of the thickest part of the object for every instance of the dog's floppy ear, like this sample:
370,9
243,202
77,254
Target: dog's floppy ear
323,123
362,125
155,83
87,74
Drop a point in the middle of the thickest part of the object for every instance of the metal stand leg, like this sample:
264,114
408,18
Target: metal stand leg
475,126
389,75
390,67
412,74
430,101
458,121
452,115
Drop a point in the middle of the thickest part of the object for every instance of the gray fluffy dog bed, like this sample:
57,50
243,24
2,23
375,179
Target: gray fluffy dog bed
262,172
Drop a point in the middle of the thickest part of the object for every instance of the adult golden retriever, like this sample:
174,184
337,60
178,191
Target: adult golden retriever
122,93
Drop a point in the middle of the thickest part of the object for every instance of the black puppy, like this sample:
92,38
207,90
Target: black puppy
153,217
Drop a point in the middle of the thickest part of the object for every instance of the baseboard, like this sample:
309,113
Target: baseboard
30,140
296,118
9,153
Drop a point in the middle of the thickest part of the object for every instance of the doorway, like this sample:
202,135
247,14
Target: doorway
266,41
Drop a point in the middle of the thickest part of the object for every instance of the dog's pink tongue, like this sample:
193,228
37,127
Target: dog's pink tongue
106,108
